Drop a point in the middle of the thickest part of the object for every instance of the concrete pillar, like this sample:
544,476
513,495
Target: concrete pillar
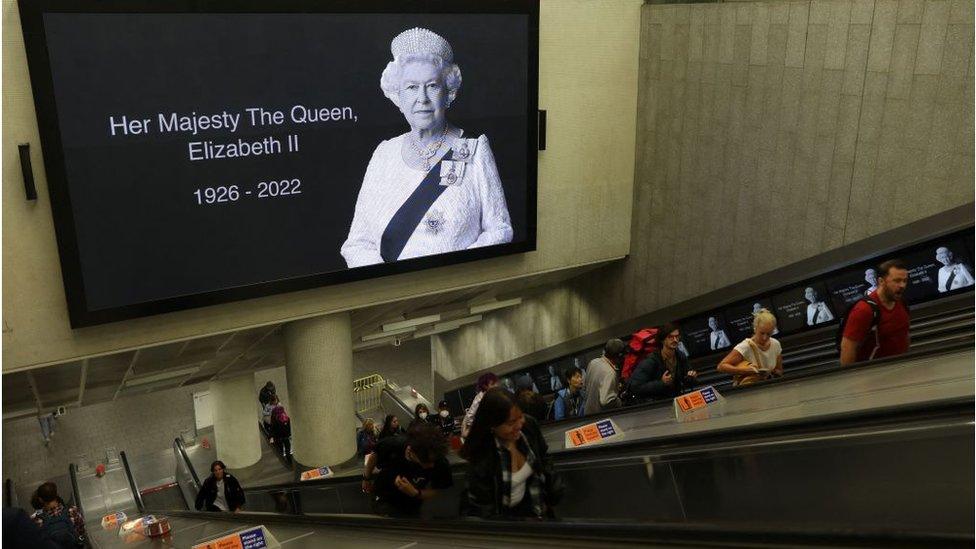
318,366
236,421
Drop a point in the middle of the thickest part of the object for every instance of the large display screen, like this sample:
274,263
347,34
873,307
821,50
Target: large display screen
199,152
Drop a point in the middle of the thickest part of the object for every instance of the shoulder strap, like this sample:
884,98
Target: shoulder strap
755,353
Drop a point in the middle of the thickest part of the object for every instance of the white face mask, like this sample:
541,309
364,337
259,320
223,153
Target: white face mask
423,415
444,413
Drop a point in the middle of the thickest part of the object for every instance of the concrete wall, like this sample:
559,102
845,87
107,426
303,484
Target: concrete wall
768,132
137,425
588,83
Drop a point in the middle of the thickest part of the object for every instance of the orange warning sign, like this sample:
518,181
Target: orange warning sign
585,434
226,543
691,401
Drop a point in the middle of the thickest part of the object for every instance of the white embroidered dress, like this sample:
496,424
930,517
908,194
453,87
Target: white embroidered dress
468,214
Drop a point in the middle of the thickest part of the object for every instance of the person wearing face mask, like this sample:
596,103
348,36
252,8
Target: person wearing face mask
445,419
664,373
758,357
421,415
510,473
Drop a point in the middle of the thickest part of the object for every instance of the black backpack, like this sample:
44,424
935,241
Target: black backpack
60,530
875,318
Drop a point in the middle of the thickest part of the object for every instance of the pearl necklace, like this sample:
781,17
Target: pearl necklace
428,152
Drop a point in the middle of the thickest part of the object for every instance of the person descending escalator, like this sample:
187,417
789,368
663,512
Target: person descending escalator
445,419
366,438
510,473
220,491
64,526
421,415
280,429
391,427
407,470
264,397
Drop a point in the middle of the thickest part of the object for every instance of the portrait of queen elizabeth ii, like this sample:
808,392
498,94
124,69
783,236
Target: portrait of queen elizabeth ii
432,189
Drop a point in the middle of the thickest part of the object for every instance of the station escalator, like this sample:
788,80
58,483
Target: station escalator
877,454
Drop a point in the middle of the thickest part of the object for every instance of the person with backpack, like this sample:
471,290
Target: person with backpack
642,343
280,428
63,526
664,373
570,400
758,357
602,378
877,325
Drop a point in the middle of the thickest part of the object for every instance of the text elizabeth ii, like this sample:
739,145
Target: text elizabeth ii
239,148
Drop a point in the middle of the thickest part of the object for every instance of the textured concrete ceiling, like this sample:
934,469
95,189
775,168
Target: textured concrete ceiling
105,378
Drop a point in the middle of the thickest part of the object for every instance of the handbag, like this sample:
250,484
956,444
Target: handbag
749,379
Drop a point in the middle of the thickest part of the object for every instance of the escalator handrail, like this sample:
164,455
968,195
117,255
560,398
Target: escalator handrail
186,460
132,483
812,371
793,376
75,493
621,533
392,394
743,434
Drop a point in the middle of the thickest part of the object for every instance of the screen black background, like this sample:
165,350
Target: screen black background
142,236
847,288
739,319
791,306
923,268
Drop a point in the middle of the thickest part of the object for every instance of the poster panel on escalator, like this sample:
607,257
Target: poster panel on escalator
846,288
705,334
803,306
738,318
939,268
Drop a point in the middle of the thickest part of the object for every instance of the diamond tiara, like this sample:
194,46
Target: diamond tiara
418,40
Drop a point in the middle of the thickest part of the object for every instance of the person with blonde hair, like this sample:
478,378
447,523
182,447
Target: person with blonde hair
758,357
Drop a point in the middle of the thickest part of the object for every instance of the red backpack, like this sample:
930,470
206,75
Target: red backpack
641,344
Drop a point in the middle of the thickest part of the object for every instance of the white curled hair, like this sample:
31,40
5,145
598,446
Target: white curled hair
390,80
763,316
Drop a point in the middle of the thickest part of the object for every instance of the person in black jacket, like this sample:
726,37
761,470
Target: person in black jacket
391,427
510,473
406,470
664,373
221,491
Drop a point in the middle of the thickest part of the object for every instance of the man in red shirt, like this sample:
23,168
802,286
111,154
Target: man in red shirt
862,341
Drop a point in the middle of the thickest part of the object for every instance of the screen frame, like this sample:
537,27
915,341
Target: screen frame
42,85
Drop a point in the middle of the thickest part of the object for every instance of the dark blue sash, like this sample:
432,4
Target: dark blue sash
411,213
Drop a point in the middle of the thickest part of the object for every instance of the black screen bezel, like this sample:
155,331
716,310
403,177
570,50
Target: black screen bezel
32,23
